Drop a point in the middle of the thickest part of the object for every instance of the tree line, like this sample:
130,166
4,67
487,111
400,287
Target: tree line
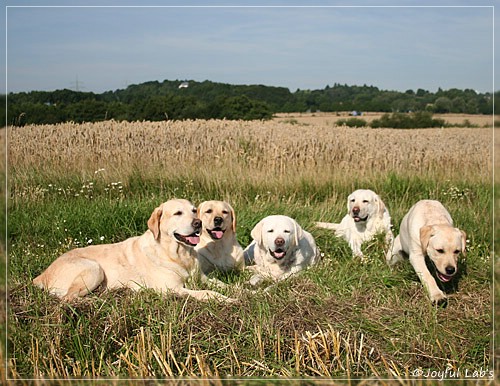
178,100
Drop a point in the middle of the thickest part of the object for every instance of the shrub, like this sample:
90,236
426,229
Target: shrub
420,119
352,122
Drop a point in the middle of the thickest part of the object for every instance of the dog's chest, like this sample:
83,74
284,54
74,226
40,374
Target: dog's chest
175,257
283,265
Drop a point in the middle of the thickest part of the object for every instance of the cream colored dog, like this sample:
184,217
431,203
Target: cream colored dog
163,258
427,230
366,217
218,248
280,248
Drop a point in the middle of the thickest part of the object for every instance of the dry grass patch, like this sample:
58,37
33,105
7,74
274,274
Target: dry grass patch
330,119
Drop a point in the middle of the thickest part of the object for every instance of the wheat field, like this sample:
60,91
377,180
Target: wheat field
249,150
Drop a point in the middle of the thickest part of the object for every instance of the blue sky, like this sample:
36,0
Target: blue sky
394,45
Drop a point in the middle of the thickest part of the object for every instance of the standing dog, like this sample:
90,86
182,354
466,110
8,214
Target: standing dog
427,230
280,248
218,248
366,217
163,258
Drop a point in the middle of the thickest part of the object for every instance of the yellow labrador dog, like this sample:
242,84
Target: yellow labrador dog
366,217
163,258
427,230
218,248
280,248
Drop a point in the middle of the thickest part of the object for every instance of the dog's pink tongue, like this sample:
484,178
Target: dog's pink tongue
279,255
218,234
444,278
193,239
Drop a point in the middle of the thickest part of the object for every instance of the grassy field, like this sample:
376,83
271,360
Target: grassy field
72,185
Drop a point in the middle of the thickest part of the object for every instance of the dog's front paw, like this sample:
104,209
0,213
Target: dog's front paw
438,297
356,253
392,258
255,280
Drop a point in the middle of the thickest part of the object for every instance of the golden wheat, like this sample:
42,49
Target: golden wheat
247,150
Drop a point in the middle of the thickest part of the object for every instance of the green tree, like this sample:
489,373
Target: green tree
442,105
241,107
458,105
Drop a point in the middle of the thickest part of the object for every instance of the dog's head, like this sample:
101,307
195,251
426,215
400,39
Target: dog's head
443,244
362,204
278,235
218,218
176,219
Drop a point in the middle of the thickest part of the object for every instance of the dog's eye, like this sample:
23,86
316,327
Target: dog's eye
225,212
194,210
209,211
270,230
365,201
286,231
178,213
456,252
440,250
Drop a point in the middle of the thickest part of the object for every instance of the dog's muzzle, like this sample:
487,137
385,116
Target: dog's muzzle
355,214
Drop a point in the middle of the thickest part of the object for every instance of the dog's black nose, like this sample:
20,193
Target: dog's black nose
280,241
450,270
218,221
196,223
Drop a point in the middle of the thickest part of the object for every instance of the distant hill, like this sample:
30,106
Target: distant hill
181,99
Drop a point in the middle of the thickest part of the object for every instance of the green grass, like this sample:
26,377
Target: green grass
342,318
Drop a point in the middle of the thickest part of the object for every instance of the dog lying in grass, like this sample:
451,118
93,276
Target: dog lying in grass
280,248
366,217
218,248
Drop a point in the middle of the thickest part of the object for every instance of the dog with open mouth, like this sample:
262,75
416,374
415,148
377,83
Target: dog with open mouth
218,248
280,248
427,231
163,259
366,217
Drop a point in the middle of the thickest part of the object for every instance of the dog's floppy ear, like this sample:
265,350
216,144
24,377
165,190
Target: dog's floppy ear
425,235
199,210
298,232
464,240
256,232
381,206
154,222
233,217
349,198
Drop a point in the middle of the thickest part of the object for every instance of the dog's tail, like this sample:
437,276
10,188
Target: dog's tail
327,225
